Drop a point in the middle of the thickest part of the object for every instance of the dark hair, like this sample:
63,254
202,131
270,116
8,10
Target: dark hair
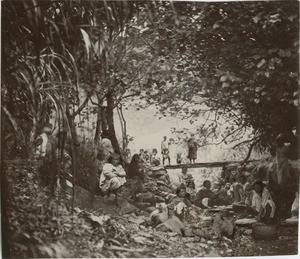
243,177
112,156
135,158
206,182
178,190
260,183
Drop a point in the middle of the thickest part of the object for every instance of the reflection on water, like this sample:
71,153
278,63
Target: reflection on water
199,174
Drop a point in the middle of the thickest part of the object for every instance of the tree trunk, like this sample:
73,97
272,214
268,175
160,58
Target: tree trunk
98,123
74,144
110,123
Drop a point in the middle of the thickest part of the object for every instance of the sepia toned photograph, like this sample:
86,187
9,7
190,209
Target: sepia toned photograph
149,129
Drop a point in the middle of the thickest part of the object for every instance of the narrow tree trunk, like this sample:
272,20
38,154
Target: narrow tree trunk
74,146
98,123
103,118
110,123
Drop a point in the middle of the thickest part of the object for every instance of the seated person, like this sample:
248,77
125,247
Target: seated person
178,159
141,154
183,176
241,191
190,185
224,195
181,202
205,197
135,175
154,159
262,202
113,175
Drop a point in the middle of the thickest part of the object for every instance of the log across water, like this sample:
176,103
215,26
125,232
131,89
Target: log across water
206,164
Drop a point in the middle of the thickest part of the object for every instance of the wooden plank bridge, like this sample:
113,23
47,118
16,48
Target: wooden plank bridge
206,164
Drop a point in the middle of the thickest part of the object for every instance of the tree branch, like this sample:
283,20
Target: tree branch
250,150
81,107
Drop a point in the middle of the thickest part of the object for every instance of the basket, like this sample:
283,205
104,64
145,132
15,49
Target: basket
264,232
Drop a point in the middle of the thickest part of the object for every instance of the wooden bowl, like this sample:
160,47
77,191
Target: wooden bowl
262,231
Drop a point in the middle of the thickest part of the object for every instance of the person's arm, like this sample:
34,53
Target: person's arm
256,205
120,171
109,171
212,195
242,195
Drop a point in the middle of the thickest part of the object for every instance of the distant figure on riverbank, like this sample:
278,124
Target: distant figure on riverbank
192,152
154,159
165,150
183,176
141,154
127,156
178,159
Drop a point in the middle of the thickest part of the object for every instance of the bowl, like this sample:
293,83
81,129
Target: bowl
263,231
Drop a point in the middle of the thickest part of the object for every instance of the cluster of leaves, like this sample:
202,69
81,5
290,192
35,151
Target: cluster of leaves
237,60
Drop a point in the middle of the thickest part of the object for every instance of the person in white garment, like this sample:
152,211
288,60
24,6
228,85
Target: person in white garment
262,202
165,151
41,142
113,175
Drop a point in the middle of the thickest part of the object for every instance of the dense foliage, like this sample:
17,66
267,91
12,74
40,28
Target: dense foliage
237,60
233,64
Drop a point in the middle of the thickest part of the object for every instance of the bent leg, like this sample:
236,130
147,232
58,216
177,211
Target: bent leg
237,189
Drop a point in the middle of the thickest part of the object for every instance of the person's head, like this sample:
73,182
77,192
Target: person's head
114,159
242,179
135,158
184,170
190,177
165,137
154,151
227,186
248,187
127,151
258,187
141,151
232,179
207,184
181,192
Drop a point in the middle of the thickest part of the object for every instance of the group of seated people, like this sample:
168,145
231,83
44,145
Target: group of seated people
255,197
113,175
150,158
